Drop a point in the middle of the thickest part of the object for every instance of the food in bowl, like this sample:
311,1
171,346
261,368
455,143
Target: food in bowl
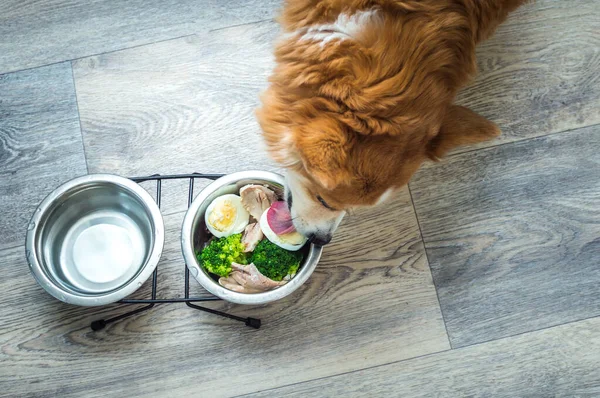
226,216
254,246
279,229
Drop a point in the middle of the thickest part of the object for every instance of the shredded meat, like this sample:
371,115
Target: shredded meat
248,279
256,199
252,235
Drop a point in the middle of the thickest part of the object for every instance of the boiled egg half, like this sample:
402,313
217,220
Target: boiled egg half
292,241
226,216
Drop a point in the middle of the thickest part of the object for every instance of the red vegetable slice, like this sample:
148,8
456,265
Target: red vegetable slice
280,219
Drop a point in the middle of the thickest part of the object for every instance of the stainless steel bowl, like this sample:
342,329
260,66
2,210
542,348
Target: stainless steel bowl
194,235
95,240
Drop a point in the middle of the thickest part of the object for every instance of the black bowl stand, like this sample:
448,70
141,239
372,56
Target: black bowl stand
189,301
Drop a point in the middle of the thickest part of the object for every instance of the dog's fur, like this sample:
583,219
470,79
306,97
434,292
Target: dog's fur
362,94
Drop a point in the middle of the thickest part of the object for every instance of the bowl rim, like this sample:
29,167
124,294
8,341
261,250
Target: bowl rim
187,242
104,298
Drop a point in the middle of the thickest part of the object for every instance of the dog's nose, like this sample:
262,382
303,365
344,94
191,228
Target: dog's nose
319,240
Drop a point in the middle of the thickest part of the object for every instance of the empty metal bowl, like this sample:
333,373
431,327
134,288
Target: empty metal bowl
194,236
95,240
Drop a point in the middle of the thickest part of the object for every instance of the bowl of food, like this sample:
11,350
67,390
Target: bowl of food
239,242
95,240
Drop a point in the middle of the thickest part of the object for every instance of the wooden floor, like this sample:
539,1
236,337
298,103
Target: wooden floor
482,278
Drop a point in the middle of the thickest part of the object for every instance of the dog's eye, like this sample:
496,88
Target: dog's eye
320,199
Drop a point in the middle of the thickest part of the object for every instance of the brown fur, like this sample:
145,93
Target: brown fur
356,117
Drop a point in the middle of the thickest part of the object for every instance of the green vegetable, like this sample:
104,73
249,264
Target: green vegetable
217,257
274,262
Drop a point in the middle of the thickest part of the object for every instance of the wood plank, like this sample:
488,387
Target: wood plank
177,107
558,362
540,73
512,234
40,143
370,301
41,32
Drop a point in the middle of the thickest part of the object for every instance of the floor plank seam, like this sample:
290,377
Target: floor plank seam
242,24
138,45
10,72
12,247
431,354
343,373
414,207
528,331
524,140
87,166
98,54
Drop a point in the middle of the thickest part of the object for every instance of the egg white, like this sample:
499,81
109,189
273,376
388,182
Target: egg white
240,221
293,243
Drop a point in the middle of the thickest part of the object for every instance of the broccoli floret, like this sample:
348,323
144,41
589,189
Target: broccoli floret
274,262
217,257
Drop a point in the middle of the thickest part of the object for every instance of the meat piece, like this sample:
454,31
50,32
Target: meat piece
252,235
248,279
231,284
256,199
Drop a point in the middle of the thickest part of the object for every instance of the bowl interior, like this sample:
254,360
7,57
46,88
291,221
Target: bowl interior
200,233
95,238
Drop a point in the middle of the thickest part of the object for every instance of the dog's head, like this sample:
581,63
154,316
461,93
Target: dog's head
357,102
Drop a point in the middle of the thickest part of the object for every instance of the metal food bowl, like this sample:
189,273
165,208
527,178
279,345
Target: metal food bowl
194,236
95,240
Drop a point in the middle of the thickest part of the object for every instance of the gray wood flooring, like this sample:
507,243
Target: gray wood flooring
40,32
532,82
513,235
557,362
40,143
482,279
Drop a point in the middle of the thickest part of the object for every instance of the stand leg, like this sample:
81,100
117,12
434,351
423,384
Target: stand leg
101,323
252,322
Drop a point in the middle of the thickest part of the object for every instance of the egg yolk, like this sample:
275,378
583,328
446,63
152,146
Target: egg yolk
222,216
292,238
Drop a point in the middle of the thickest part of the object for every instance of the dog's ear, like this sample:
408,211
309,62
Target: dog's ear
325,147
460,126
